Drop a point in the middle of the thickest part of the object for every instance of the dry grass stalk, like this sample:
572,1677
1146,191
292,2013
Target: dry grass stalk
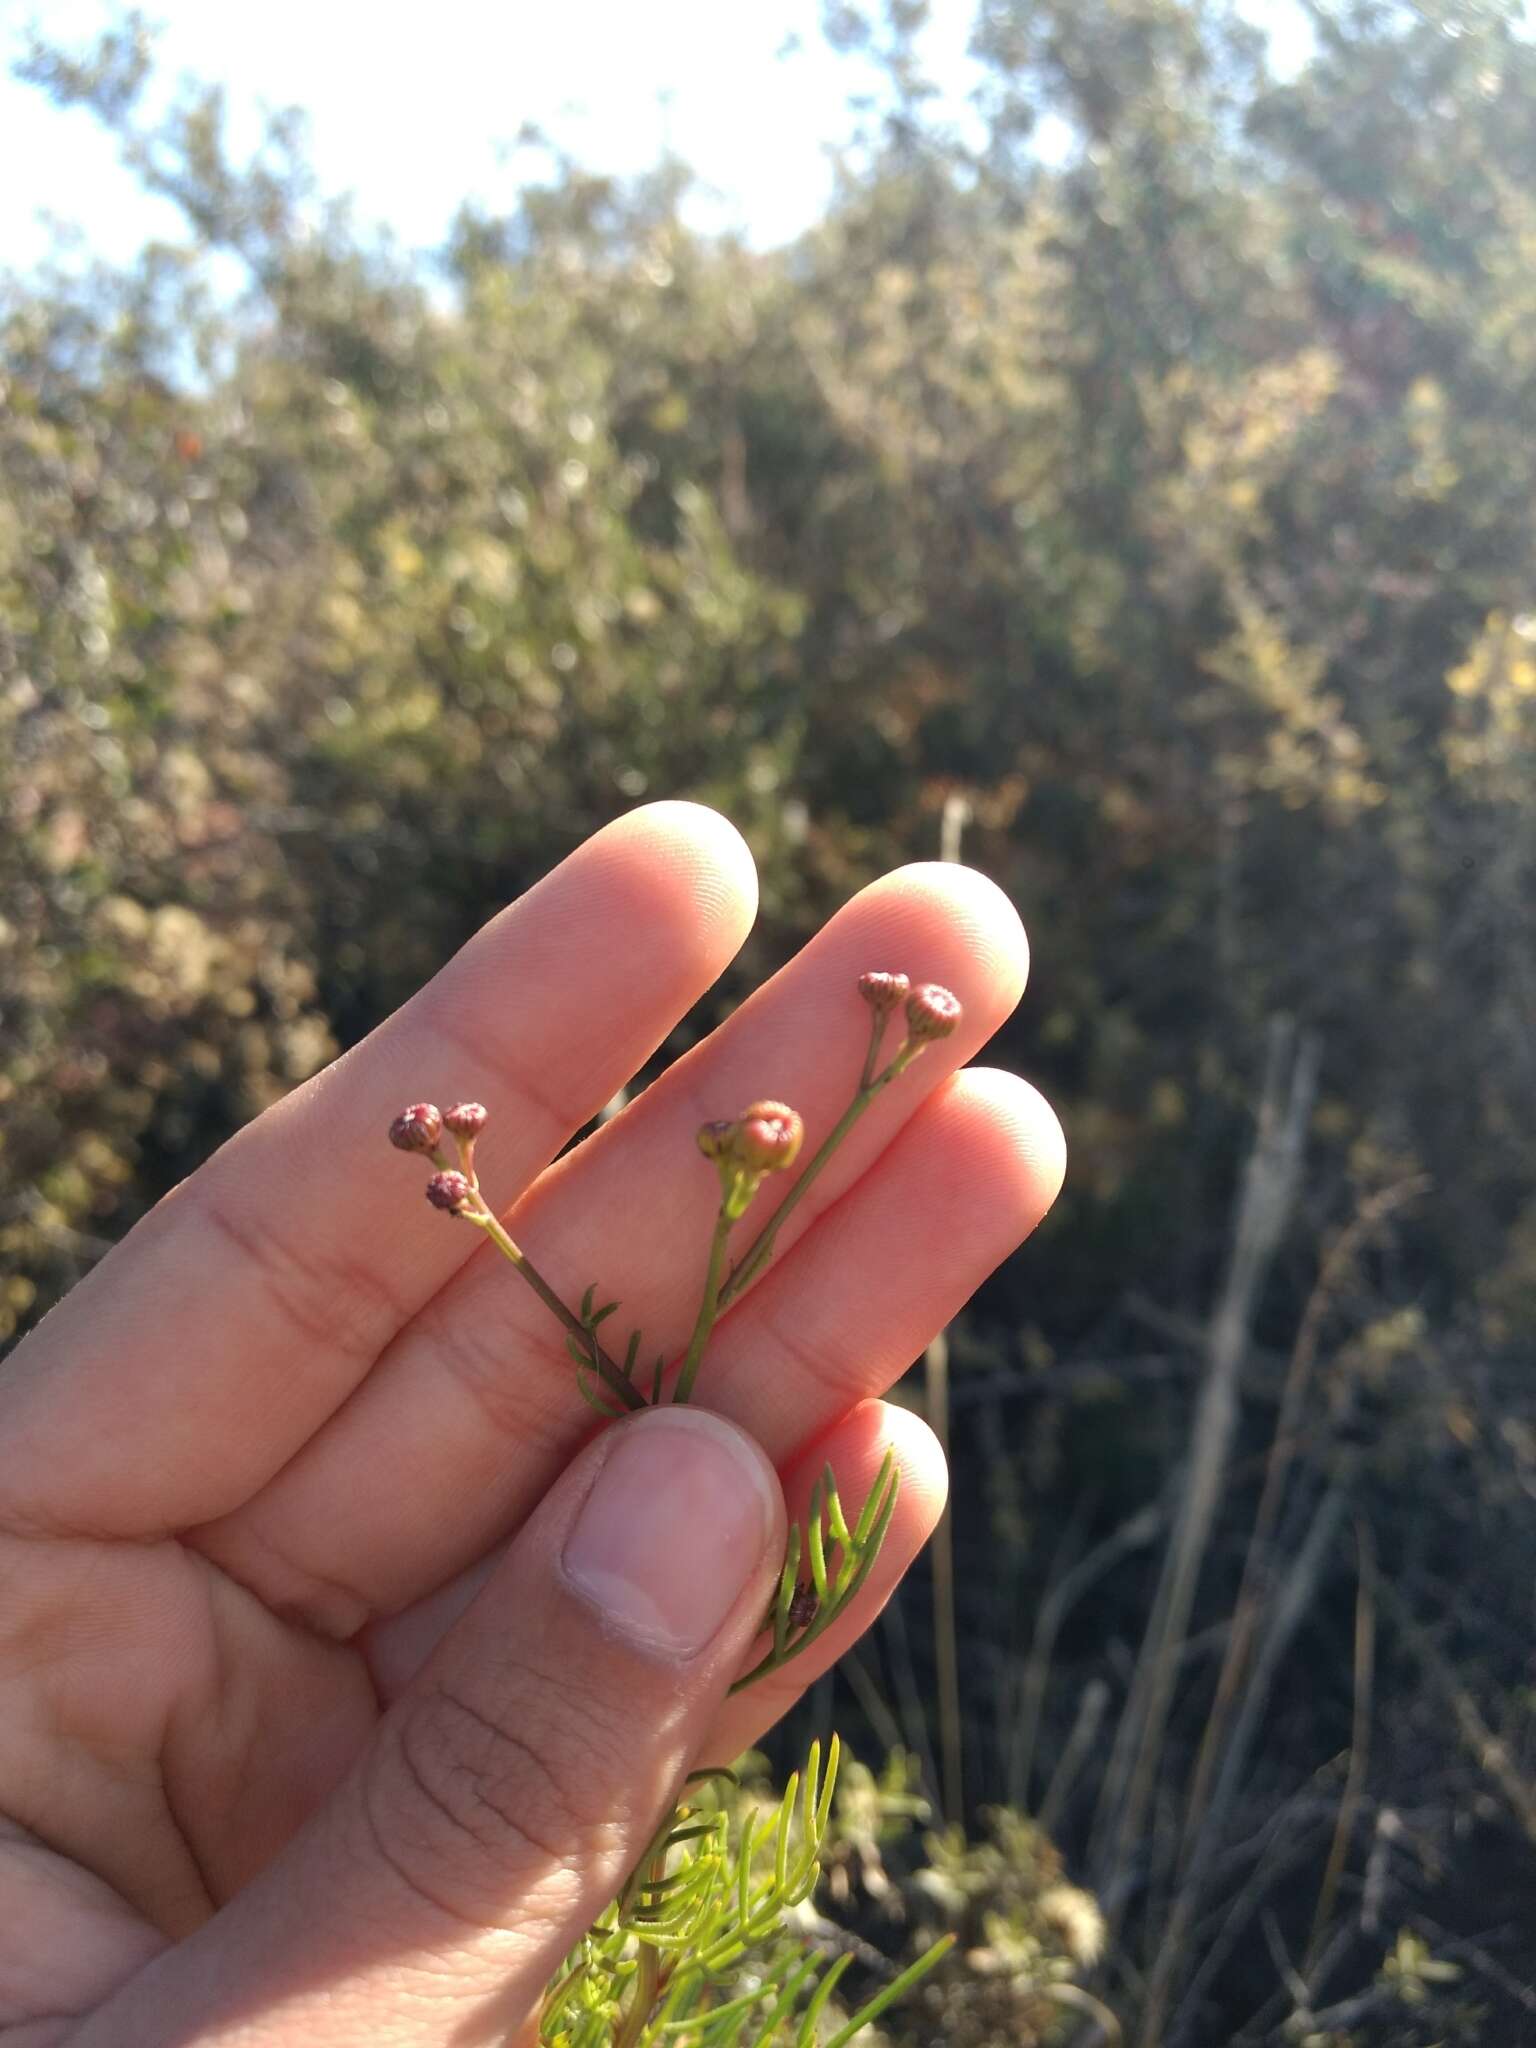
1331,1277
1359,1747
1268,1196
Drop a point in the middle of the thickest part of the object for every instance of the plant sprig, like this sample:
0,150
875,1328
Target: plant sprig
456,1191
667,1962
932,1013
764,1139
590,1383
694,1951
805,1608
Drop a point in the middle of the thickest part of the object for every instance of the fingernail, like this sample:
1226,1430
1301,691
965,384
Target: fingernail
673,1529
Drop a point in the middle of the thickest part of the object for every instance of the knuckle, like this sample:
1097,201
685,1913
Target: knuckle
478,1809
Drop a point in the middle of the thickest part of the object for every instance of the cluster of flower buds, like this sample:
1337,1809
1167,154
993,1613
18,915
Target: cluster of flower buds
420,1129
766,1138
932,1012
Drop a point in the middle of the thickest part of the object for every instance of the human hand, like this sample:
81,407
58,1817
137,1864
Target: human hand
342,1679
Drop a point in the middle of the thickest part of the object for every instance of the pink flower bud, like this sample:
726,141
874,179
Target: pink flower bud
418,1128
450,1191
768,1137
884,992
466,1119
932,1012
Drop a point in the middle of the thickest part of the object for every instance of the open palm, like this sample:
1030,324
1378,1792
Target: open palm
273,1479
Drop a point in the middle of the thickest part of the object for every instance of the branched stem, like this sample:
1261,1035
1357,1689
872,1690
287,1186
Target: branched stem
607,1368
753,1261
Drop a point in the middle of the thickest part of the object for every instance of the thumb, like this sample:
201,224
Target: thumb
509,1793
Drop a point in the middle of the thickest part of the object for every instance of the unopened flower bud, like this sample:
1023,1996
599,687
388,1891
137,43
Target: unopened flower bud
418,1128
884,992
803,1605
715,1138
768,1137
450,1191
932,1012
466,1119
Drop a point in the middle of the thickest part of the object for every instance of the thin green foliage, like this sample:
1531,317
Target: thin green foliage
699,1933
806,1609
590,1382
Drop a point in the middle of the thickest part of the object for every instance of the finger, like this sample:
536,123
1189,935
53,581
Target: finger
855,1447
205,1350
843,1316
455,1464
67,1939
512,1788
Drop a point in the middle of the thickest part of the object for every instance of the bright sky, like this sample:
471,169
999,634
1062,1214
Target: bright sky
411,107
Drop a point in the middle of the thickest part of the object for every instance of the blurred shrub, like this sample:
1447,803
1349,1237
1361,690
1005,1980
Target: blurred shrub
891,1887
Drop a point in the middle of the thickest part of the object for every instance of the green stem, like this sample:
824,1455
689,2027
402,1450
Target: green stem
607,1368
709,1306
643,2002
558,1992
754,1260
876,1035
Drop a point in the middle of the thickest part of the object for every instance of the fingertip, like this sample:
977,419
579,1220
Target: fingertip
1018,1135
653,907
699,848
978,905
920,1459
632,1552
856,1447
